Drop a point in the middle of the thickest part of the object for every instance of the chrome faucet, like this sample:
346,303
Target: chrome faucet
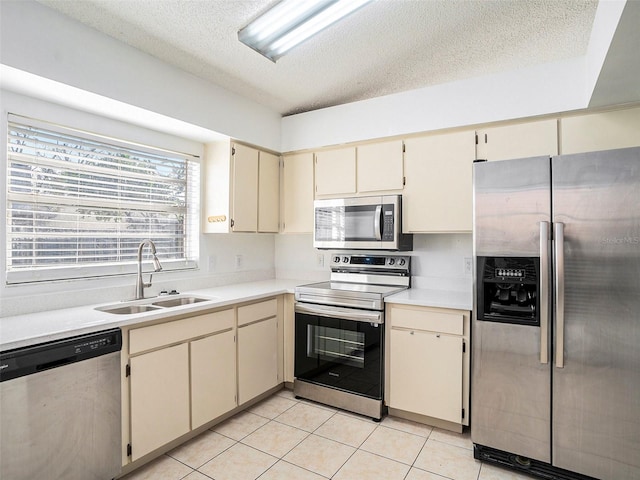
140,285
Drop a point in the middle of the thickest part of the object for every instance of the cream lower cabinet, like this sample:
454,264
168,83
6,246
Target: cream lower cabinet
258,369
159,398
428,364
213,377
181,375
288,333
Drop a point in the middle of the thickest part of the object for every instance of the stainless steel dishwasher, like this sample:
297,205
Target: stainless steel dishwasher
60,409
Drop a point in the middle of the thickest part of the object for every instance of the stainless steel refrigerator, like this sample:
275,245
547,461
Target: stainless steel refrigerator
555,387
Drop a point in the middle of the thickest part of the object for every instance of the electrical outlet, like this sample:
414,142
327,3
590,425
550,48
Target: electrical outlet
212,263
238,262
320,259
467,266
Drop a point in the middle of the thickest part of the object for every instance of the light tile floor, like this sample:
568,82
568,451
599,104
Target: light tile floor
282,438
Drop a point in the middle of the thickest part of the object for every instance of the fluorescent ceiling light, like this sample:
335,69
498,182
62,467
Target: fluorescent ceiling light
291,22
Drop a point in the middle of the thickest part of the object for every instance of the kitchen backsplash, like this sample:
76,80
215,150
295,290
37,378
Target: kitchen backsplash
438,262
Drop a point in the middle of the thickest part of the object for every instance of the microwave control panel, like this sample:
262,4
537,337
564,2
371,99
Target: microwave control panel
387,223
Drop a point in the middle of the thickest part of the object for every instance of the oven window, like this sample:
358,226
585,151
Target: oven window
331,343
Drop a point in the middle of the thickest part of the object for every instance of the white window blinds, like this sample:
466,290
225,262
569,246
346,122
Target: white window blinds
79,204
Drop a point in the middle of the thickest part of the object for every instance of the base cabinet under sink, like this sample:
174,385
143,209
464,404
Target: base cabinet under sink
182,374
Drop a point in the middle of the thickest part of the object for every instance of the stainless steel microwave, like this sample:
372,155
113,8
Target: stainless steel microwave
367,223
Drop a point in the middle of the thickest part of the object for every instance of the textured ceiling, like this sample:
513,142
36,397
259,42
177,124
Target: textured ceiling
386,47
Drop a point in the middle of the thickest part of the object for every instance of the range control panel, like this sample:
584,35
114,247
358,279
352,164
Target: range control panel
374,262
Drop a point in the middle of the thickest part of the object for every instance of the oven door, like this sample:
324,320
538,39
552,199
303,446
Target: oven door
340,348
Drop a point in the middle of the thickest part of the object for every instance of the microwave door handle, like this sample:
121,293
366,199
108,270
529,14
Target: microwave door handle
377,223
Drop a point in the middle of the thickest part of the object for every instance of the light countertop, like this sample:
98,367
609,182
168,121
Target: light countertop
458,300
33,328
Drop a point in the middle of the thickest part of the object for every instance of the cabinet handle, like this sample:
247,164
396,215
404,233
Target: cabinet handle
412,332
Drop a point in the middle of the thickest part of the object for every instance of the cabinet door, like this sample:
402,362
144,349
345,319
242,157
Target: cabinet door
438,194
297,211
245,189
426,374
289,337
268,193
336,171
213,377
600,131
159,398
380,167
257,358
530,139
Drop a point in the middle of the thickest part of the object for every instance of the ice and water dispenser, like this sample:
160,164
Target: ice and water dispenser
507,289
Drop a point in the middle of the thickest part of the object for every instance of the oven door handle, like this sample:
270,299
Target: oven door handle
342,313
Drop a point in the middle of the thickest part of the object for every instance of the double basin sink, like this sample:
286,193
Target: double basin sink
158,303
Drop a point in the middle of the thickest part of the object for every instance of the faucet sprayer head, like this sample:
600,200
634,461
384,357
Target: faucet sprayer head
156,263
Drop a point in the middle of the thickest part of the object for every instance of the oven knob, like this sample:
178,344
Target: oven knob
336,259
401,262
392,261
345,259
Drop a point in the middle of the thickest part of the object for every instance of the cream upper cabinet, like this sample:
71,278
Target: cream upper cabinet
242,189
437,196
268,192
428,364
245,189
380,167
528,139
600,131
335,171
297,193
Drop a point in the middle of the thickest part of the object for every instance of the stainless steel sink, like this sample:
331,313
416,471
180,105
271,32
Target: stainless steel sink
150,305
176,302
128,309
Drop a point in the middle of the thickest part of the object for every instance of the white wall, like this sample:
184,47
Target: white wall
41,41
523,93
437,260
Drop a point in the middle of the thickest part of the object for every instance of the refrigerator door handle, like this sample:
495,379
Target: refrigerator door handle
559,292
544,292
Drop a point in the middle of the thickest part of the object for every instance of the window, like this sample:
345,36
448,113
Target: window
79,204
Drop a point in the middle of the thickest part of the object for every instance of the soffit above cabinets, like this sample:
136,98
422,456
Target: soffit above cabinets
388,46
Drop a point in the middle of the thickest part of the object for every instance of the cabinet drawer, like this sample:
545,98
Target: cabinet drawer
154,336
417,319
257,311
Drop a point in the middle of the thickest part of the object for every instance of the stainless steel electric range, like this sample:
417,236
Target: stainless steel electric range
339,332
